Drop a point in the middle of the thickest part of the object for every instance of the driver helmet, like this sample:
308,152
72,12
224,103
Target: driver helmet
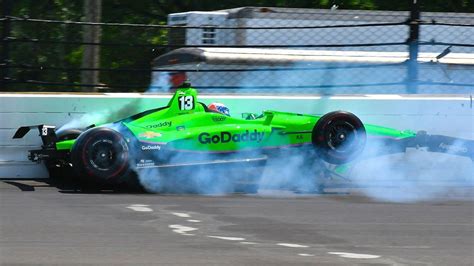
219,107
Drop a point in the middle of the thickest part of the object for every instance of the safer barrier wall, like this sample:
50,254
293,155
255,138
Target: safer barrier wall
448,115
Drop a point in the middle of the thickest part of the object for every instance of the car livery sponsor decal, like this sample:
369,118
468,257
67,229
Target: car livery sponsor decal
161,124
218,118
149,135
150,147
225,137
145,163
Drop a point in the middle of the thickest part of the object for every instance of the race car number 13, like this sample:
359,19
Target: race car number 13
186,102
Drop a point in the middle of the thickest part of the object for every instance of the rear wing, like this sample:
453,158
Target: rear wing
47,134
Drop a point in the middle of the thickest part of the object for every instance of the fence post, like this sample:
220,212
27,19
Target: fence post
91,55
412,66
5,56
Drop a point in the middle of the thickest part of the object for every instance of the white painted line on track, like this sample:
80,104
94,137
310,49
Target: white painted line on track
194,221
306,255
292,245
139,208
408,247
248,243
181,214
181,229
231,238
354,255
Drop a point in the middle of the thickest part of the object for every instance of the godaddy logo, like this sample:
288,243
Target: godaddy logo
225,137
161,124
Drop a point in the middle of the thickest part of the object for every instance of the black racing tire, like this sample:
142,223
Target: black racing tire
100,155
62,168
339,137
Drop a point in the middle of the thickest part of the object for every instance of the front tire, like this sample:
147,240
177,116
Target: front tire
100,155
339,137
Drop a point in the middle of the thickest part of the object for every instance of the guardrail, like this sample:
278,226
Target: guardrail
447,115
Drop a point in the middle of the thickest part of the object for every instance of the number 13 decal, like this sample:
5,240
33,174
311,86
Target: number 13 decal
186,102
44,131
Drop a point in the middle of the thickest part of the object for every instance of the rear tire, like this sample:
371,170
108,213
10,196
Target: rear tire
339,137
100,155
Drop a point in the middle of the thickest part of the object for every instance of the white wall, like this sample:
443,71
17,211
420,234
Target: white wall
449,115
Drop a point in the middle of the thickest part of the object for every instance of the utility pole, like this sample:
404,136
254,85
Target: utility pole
412,67
5,56
91,34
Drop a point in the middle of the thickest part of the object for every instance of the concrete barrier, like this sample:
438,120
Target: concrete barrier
448,115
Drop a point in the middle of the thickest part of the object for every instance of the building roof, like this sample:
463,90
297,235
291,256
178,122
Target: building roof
250,12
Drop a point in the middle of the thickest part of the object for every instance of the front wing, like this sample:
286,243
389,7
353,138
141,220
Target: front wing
377,146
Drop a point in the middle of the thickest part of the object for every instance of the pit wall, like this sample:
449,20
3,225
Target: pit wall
447,115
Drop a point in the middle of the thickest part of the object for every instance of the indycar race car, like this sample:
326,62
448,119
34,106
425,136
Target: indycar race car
186,133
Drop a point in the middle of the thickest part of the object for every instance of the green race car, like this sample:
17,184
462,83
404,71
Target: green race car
185,133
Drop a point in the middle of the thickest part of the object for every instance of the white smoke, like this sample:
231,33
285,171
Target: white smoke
295,170
86,120
204,180
290,169
160,83
417,175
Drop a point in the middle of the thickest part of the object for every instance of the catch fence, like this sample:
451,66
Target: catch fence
250,49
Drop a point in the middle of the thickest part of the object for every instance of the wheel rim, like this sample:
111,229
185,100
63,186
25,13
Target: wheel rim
103,155
340,136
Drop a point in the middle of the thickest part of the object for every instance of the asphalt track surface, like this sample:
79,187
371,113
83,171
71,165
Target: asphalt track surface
51,225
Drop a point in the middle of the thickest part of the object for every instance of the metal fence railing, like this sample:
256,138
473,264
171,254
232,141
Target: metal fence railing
250,49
